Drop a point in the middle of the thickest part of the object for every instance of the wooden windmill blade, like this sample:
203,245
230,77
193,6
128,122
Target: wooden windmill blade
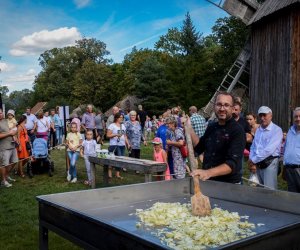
232,83
242,9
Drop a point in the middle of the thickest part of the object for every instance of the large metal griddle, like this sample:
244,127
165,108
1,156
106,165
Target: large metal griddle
100,218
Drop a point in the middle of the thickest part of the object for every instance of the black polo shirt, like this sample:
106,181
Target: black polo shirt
223,144
245,125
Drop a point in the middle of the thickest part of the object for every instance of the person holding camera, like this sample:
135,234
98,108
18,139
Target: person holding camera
116,132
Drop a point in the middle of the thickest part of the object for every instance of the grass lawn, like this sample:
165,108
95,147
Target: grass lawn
19,208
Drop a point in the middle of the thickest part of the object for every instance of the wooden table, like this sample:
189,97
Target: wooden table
146,167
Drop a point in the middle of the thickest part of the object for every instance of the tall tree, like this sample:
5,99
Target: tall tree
152,86
93,50
19,100
190,39
93,83
60,66
185,41
170,43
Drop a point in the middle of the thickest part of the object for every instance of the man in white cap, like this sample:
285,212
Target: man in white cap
265,149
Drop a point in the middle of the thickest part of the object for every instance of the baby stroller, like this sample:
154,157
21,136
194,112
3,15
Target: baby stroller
40,161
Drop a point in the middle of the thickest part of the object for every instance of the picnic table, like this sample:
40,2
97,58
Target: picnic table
146,167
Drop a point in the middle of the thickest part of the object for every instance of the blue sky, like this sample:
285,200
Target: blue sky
29,27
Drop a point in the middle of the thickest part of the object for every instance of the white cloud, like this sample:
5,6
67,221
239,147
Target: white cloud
27,77
81,3
4,67
38,42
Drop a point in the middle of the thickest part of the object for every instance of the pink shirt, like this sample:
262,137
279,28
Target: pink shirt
158,156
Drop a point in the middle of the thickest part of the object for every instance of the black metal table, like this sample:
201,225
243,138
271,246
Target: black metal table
145,167
100,218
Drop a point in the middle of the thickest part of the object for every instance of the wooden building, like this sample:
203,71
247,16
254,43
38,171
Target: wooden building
275,59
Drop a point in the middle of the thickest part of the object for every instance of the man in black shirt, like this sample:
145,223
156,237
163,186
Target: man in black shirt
141,116
237,109
223,144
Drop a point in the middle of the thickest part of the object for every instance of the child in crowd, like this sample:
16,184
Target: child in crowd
88,149
160,155
12,123
73,142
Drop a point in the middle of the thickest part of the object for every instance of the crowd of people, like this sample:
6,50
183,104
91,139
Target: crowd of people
17,138
221,145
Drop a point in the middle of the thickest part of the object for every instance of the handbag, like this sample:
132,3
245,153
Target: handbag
184,150
28,145
266,162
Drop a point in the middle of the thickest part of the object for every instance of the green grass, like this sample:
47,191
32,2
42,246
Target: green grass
19,208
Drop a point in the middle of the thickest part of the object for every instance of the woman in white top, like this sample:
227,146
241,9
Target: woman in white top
42,126
116,132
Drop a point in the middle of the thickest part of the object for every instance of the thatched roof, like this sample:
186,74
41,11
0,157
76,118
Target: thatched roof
128,103
37,107
269,7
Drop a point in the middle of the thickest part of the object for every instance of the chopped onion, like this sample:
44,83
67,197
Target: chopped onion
179,229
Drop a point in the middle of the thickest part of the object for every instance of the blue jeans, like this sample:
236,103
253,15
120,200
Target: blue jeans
118,150
73,157
58,134
49,139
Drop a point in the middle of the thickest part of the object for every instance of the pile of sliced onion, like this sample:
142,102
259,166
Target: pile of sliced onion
179,229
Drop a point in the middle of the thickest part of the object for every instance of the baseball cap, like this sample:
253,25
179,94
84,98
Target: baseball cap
156,140
264,110
12,112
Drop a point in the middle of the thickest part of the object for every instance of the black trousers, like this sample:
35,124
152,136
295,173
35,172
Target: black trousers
52,138
293,179
135,153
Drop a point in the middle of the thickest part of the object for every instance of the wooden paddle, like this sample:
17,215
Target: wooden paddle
200,203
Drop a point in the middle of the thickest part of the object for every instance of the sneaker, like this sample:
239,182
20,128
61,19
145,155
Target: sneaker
69,177
11,179
5,184
74,180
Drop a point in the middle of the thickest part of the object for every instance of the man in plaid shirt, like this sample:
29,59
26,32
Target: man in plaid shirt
198,122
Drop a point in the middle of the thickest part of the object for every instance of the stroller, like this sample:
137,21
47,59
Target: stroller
40,161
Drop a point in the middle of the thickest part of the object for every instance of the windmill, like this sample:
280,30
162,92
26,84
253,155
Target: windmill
274,53
244,10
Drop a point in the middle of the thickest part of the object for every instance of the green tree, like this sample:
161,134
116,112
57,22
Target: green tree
93,84
185,41
19,100
170,43
152,86
93,50
55,83
190,39
231,35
